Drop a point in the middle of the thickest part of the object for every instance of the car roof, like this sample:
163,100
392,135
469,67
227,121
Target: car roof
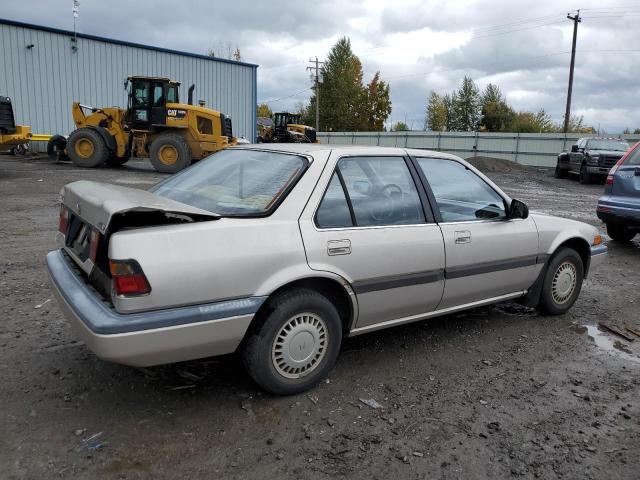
310,148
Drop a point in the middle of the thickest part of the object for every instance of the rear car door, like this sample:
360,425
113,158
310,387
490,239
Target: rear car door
625,189
367,222
487,254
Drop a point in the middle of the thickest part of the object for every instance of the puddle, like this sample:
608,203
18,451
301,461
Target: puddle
608,342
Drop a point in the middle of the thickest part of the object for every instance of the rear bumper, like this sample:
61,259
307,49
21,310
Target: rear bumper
611,211
148,338
598,256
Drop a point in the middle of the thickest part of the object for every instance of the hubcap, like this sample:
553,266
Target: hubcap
300,345
564,282
84,148
168,154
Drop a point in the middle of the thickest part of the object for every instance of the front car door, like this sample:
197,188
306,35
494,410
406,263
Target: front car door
488,256
575,158
367,222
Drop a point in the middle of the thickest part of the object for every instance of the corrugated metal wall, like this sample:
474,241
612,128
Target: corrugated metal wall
44,80
539,149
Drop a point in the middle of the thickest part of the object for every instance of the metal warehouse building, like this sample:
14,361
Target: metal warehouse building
43,70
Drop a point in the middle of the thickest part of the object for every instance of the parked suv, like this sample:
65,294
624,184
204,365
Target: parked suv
591,158
619,207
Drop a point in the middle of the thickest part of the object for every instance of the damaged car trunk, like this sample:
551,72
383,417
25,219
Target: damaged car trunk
91,212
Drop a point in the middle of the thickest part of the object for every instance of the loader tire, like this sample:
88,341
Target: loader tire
86,148
115,162
56,148
170,153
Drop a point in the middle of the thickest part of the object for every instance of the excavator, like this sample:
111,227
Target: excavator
286,128
155,125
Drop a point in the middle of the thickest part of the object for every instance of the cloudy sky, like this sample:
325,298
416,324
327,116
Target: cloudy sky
418,46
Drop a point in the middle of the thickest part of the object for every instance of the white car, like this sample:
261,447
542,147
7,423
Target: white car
282,250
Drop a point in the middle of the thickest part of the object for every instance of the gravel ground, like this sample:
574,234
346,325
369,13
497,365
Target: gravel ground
497,392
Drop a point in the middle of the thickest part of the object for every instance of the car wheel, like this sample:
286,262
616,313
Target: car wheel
170,153
585,177
562,282
296,343
86,148
619,233
560,173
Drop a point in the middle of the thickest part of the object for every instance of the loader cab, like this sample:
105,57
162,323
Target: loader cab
282,119
148,98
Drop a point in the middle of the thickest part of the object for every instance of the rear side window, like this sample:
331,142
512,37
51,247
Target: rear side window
334,209
380,191
634,157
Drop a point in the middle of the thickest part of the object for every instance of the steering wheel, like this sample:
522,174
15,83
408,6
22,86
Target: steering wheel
383,213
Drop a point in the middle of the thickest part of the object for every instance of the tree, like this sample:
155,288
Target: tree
436,113
497,115
225,50
400,127
636,131
528,122
576,125
626,131
466,108
376,104
264,110
345,103
448,101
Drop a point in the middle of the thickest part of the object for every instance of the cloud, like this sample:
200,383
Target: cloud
417,46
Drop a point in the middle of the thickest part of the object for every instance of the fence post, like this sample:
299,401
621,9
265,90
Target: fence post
378,138
475,145
439,137
517,146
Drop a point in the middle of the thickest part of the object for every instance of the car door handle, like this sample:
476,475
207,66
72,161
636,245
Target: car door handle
339,247
462,236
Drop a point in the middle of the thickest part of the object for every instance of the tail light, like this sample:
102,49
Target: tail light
612,172
63,221
128,278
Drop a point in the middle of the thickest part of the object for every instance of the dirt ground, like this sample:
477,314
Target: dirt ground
497,392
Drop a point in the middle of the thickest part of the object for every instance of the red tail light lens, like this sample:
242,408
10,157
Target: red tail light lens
63,221
612,172
128,278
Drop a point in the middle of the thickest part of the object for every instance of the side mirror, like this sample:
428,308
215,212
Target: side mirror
518,209
574,148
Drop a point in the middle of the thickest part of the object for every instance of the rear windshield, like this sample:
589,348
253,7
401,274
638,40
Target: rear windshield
634,157
615,145
235,182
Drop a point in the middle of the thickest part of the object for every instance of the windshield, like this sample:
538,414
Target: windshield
615,145
235,182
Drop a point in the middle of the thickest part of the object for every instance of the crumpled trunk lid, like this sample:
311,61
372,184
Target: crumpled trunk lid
98,203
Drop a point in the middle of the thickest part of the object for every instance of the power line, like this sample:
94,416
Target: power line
288,96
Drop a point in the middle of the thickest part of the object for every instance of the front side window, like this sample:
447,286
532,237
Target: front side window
461,195
381,191
235,182
172,94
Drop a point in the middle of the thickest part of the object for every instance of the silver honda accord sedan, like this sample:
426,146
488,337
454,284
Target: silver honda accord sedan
281,251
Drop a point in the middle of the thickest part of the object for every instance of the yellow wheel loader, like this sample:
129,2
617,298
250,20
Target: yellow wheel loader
155,125
286,128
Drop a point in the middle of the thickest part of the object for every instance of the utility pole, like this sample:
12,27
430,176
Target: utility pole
576,20
315,75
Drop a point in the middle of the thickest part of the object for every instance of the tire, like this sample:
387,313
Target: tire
86,148
619,233
585,177
56,148
560,173
313,317
562,282
170,153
